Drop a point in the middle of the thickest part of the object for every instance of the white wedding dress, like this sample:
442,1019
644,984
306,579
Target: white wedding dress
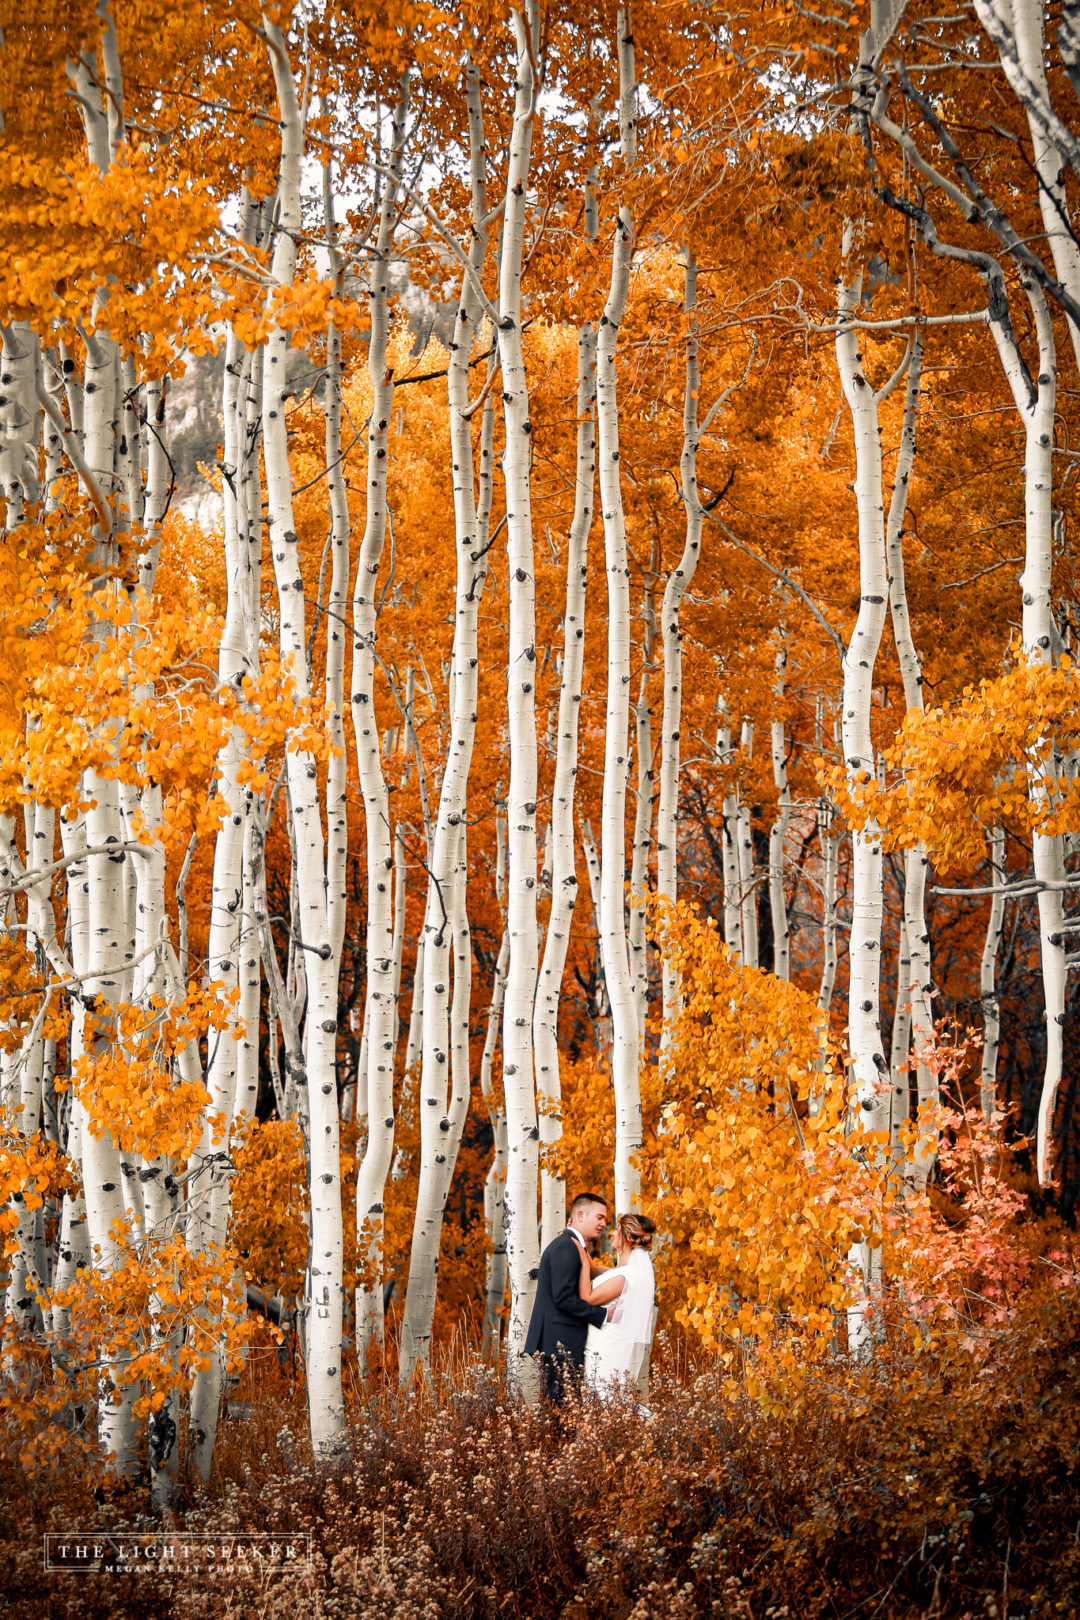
614,1352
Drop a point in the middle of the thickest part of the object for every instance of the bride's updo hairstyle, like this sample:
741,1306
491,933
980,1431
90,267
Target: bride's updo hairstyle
636,1230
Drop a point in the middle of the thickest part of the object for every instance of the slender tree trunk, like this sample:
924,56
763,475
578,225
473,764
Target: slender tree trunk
375,1081
991,1009
900,1050
914,994
446,929
869,1072
638,954
564,883
523,1134
313,875
733,937
495,1181
209,1168
778,835
1017,28
667,818
624,1050
747,872
1036,399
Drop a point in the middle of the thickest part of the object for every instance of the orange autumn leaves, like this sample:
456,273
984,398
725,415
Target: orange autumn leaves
107,679
753,1168
991,758
128,1078
156,1313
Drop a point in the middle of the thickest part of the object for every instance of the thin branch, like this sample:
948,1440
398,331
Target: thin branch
781,574
955,584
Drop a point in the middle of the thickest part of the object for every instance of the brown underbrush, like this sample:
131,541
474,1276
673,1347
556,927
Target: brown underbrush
899,1490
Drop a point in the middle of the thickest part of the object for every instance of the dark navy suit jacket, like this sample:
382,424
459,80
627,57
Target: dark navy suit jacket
560,1316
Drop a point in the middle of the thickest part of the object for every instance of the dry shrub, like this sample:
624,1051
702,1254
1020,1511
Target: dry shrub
898,1491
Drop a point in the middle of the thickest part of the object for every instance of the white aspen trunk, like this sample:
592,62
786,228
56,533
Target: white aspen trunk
642,836
20,418
97,906
900,1048
415,1032
991,1010
109,952
324,1325
24,1069
915,992
624,1036
101,1173
248,1007
446,930
730,847
624,1049
1036,400
73,1249
52,383
495,1180
210,1199
747,872
564,883
602,1028
153,1178
869,1085
778,835
1017,29
26,1279
830,853
376,1079
667,815
522,1245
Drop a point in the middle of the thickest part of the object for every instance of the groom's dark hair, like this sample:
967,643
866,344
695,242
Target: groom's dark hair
586,1198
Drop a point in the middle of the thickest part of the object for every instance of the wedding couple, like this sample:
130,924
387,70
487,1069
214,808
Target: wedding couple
586,1319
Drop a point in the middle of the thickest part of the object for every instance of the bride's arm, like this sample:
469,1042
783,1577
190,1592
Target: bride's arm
601,1292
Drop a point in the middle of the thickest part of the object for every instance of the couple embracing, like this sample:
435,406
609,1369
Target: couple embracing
587,1320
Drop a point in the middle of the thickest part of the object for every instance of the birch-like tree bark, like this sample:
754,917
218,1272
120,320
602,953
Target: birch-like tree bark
446,929
376,1080
913,1004
638,954
563,866
744,843
522,1130
445,1023
1017,28
316,878
988,991
778,833
869,1072
602,1022
900,1049
678,583
1035,397
209,1168
495,1180
107,978
624,1049
733,936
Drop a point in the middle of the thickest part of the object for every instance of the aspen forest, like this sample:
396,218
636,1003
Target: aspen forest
539,619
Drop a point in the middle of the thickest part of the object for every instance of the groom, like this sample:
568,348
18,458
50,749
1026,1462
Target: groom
561,1318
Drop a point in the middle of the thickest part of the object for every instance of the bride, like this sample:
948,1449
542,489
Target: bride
614,1352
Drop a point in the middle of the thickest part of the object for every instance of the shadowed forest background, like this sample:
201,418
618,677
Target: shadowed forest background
538,617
